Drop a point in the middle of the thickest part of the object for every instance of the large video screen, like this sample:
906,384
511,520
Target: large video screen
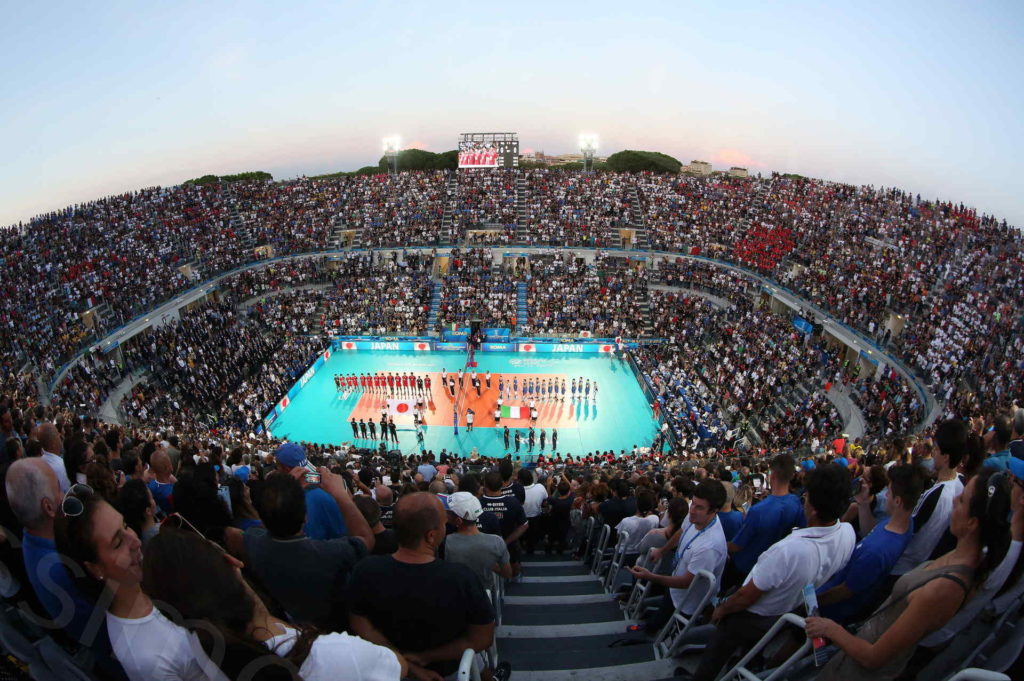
473,156
488,150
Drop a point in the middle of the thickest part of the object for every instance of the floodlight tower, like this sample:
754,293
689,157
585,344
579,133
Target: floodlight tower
391,147
588,145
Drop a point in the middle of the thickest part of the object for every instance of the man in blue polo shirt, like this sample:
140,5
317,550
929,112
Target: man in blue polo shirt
323,517
35,498
854,591
769,520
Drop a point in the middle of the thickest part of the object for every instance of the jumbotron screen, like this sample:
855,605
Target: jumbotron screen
488,150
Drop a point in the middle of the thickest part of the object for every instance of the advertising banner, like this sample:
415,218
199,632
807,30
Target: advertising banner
498,347
447,347
584,348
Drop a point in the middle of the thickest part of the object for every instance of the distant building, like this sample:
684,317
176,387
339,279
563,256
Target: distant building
736,171
698,168
561,160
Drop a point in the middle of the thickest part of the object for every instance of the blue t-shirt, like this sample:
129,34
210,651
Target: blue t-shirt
323,517
766,523
871,562
162,492
731,523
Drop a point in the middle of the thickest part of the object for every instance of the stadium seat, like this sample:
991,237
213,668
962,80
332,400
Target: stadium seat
617,560
742,671
670,639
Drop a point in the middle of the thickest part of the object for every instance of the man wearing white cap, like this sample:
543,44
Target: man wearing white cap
485,554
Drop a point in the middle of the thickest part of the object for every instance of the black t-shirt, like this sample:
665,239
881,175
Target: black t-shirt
508,511
514,489
612,510
385,543
419,606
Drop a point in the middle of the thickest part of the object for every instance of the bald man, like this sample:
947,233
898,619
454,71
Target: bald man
445,608
53,448
162,484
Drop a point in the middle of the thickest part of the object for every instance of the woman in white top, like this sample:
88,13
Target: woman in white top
640,524
148,645
195,578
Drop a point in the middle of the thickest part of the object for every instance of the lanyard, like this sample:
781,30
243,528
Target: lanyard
679,554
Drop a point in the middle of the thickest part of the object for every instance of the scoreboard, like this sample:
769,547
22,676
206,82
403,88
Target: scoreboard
488,150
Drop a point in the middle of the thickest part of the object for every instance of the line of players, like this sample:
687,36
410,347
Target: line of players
544,390
385,384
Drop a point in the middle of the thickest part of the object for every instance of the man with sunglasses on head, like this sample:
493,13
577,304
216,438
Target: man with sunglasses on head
36,499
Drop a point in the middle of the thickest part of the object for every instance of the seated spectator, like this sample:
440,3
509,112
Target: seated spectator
855,589
384,540
931,516
306,576
443,607
702,546
775,584
136,504
638,525
206,589
769,520
147,644
323,519
928,596
485,554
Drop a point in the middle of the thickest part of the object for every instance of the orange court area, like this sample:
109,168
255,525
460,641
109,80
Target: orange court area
439,408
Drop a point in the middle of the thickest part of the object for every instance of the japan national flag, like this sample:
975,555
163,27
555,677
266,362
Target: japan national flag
527,347
420,346
400,407
348,345
327,355
606,348
284,403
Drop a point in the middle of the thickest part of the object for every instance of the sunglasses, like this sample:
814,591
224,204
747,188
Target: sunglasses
71,506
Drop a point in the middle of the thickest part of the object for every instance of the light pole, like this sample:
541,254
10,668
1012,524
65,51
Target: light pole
588,145
391,147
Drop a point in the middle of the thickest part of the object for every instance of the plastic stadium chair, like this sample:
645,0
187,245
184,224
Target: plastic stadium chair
741,673
14,642
469,670
638,602
600,549
617,560
60,663
671,637
975,674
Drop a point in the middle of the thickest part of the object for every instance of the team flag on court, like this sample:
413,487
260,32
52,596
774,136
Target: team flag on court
512,412
400,406
421,347
527,347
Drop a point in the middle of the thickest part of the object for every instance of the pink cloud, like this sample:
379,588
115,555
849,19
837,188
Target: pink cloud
417,145
734,157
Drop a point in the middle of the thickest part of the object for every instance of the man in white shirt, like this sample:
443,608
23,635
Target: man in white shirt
775,585
534,500
702,546
53,445
931,516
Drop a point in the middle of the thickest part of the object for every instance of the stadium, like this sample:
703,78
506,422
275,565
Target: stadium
488,413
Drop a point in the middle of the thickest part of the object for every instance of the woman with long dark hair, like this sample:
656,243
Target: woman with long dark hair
149,646
927,597
191,576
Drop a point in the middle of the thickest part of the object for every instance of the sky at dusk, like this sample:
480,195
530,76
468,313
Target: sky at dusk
99,98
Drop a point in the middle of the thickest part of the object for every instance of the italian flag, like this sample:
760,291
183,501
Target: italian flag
400,406
513,412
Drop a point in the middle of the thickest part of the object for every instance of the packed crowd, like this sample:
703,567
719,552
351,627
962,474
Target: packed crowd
214,558
471,290
406,209
566,295
577,209
486,197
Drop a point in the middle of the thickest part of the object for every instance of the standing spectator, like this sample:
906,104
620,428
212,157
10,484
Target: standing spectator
485,554
443,607
509,514
162,482
323,518
535,494
384,540
53,446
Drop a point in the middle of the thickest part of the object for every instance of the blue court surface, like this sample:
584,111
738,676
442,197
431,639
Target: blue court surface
617,419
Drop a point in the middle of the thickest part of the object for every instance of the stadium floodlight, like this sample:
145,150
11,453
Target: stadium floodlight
392,145
588,145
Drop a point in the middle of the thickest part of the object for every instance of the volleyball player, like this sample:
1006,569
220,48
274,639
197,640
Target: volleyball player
426,385
573,390
588,390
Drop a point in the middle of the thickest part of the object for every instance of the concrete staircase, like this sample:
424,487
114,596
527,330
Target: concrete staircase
435,307
448,237
641,242
522,313
522,234
558,624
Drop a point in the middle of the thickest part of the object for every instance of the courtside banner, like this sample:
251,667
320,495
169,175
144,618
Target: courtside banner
381,345
582,348
498,347
458,347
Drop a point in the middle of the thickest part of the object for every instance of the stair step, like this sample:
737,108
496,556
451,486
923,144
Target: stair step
558,599
655,669
578,614
551,631
554,588
572,653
